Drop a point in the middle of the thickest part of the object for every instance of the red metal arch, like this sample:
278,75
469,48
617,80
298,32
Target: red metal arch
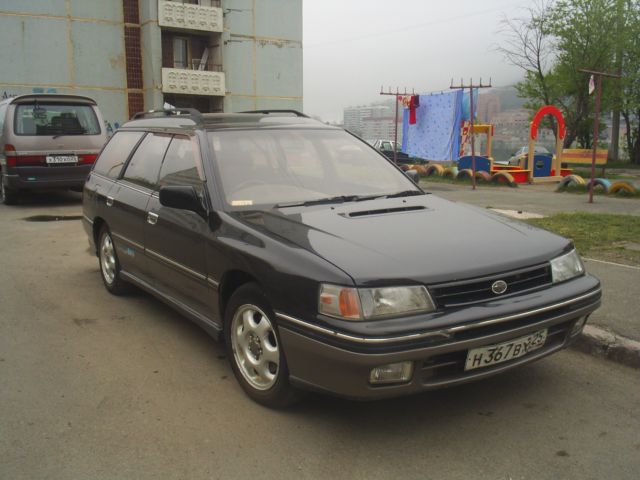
547,110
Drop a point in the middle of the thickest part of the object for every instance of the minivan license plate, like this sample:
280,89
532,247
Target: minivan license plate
57,159
502,352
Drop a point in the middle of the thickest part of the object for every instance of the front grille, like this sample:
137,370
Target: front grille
466,292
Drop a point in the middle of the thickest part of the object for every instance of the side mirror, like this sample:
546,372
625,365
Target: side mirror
413,176
182,197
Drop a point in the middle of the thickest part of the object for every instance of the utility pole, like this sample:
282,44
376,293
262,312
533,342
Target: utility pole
596,125
395,126
471,86
614,146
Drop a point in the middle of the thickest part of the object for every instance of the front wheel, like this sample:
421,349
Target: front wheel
254,349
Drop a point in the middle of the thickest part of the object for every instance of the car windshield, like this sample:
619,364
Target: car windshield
55,119
277,167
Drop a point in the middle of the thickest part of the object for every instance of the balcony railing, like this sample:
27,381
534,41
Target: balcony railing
189,17
193,82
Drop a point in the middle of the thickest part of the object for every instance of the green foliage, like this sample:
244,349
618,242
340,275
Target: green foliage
557,39
630,82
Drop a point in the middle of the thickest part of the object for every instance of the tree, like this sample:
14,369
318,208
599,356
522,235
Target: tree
630,82
550,44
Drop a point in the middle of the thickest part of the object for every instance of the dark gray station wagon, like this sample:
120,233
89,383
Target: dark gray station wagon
320,264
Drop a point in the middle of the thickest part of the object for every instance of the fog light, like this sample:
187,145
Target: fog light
392,373
578,326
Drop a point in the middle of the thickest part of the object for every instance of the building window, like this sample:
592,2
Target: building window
180,52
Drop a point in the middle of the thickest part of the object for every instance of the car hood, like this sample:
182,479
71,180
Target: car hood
422,239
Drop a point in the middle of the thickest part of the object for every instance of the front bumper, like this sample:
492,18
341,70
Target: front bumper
340,365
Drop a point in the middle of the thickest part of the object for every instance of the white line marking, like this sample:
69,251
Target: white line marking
611,263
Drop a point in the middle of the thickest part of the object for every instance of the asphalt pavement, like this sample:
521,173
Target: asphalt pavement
101,387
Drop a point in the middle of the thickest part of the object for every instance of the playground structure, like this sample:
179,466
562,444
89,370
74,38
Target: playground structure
535,167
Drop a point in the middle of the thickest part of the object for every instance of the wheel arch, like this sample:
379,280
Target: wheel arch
231,281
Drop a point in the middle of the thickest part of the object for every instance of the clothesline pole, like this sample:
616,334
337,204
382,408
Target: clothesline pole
471,86
395,127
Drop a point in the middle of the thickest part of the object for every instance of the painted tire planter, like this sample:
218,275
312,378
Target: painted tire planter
483,176
571,181
504,178
421,169
434,170
465,174
625,187
602,183
450,172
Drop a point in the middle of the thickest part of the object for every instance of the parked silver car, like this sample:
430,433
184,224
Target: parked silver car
47,142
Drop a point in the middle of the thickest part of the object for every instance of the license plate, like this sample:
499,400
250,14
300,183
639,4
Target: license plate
503,352
57,159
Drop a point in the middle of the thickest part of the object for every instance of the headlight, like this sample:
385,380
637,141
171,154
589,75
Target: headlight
566,267
371,303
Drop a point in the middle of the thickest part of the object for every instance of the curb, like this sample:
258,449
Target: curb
603,343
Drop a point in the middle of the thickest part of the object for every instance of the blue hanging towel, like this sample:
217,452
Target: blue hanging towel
436,134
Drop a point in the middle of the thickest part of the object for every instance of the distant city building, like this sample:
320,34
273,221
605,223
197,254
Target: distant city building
133,55
372,122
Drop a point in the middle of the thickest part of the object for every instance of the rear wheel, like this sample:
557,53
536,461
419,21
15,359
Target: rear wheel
8,196
254,349
109,264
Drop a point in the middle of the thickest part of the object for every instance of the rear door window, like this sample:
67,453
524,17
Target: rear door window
43,118
116,152
182,165
144,167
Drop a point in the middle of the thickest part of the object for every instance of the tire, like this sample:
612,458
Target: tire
109,264
8,196
254,349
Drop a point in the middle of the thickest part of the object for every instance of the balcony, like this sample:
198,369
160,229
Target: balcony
187,16
193,82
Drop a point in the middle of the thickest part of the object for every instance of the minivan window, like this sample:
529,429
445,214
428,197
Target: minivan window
181,166
144,166
116,152
41,118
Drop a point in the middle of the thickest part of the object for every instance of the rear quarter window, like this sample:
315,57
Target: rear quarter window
144,167
116,152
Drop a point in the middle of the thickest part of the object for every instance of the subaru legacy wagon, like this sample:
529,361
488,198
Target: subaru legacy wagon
319,263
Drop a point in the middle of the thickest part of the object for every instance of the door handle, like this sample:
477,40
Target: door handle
152,218
109,201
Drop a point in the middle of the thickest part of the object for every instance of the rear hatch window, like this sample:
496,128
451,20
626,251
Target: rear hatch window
41,119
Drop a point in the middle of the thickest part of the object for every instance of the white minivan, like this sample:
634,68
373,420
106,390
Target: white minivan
47,141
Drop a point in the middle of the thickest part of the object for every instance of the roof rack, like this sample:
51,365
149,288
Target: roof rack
295,113
167,112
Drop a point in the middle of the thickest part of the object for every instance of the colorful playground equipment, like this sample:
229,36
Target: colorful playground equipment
535,167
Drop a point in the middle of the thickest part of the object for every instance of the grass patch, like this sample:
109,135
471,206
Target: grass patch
602,236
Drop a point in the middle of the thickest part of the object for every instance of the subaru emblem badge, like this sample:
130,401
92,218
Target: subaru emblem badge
499,287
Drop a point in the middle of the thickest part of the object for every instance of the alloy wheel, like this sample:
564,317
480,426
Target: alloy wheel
255,347
108,259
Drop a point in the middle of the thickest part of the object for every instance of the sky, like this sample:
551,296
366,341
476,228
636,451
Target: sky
352,48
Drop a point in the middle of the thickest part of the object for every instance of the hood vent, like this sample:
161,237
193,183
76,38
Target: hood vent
384,211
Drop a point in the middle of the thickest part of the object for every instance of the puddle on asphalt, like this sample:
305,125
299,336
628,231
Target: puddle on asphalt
52,218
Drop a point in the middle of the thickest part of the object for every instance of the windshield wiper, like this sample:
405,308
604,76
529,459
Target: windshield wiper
405,193
324,201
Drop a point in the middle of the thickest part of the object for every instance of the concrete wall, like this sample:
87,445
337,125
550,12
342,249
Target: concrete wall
65,46
77,46
263,54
